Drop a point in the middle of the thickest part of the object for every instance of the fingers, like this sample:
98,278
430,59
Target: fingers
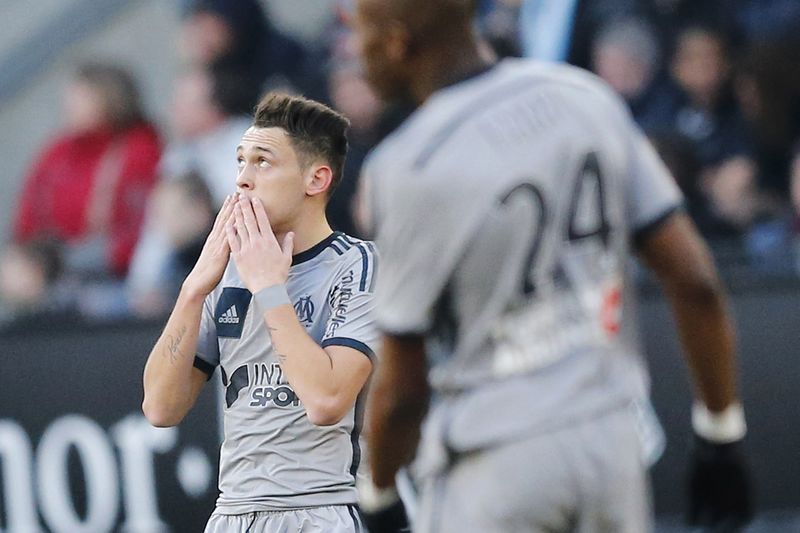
224,212
288,245
238,222
233,239
261,216
249,216
263,221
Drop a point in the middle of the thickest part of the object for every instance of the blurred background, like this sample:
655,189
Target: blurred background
119,121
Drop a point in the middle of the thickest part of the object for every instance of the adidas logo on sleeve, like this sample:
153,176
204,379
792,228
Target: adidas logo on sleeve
230,316
231,311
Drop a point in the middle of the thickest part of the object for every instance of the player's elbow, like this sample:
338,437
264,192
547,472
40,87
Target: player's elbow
327,411
159,415
319,418
701,290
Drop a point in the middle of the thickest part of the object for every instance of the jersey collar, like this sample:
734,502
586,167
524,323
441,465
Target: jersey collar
315,250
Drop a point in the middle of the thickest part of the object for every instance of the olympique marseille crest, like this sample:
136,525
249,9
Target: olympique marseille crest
304,307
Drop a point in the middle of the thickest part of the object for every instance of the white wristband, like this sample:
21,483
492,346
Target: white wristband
721,428
371,499
271,297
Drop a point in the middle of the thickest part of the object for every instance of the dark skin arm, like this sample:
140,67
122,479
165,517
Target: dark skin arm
398,400
682,263
399,393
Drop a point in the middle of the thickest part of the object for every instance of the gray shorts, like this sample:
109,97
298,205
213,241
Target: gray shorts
587,477
332,519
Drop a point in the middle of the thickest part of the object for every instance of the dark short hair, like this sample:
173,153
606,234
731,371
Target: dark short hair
118,90
316,131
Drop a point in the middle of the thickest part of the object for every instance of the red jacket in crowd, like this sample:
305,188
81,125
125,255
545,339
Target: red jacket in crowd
88,184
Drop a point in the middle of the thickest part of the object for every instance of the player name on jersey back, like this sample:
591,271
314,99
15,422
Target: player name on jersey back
504,209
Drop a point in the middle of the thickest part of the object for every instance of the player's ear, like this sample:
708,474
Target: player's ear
319,180
398,42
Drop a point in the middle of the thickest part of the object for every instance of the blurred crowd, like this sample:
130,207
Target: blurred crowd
115,208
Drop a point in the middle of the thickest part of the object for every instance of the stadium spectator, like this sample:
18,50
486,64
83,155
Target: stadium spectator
88,187
709,117
627,55
668,15
498,23
351,95
701,66
239,35
563,30
28,274
768,91
678,154
209,112
154,282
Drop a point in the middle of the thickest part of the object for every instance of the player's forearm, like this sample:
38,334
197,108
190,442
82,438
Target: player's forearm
308,368
682,262
398,400
708,340
168,372
394,429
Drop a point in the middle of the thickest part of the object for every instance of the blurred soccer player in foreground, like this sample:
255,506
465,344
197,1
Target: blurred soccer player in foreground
505,208
283,306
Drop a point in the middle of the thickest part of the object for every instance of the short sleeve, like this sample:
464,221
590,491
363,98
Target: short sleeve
207,357
421,244
352,302
651,194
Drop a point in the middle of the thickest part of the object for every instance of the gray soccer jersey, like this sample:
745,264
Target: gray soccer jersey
504,209
273,457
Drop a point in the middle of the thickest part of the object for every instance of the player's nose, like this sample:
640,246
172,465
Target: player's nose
244,181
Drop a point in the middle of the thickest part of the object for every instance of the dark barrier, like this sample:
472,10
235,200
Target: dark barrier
768,320
76,454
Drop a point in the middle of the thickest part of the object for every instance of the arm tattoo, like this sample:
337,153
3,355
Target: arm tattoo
281,356
173,348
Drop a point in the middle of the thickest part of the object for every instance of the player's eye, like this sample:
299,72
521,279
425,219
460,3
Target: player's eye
240,161
262,163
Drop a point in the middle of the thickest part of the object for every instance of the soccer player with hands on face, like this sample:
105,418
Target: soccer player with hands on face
283,305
